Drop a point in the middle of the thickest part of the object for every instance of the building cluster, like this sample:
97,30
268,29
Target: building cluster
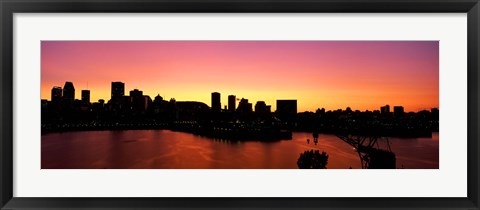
397,110
68,93
63,105
139,109
63,100
285,108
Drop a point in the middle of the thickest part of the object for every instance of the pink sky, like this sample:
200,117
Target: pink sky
330,74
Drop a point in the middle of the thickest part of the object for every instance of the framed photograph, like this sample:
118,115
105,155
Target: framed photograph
239,104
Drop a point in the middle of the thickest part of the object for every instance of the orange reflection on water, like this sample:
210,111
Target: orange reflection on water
164,149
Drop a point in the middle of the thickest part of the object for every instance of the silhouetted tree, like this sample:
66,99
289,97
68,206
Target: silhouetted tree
312,160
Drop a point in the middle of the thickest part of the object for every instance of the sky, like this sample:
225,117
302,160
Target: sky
362,75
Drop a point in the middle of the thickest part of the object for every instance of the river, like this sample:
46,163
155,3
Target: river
165,149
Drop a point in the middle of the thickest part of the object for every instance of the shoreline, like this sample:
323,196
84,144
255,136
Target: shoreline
211,133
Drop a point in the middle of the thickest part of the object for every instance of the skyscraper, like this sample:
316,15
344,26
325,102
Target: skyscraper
231,102
68,91
398,111
118,90
56,93
138,100
216,105
86,96
385,109
260,107
118,100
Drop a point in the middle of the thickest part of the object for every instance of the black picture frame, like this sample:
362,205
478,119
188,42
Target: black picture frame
9,7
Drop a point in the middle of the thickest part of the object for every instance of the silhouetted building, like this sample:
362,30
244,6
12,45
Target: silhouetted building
118,90
158,99
244,106
287,107
385,109
98,107
56,94
190,110
68,91
398,111
148,102
86,96
192,106
159,105
260,107
136,93
118,101
44,103
138,101
435,114
216,105
232,102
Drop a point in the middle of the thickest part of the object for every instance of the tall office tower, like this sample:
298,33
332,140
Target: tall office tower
68,91
216,105
86,96
231,102
385,109
57,93
118,90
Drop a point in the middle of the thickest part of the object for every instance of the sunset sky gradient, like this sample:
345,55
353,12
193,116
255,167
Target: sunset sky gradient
330,74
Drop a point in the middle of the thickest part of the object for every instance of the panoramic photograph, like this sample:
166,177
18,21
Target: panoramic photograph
239,105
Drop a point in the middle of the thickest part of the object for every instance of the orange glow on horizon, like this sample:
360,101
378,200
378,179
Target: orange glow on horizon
363,75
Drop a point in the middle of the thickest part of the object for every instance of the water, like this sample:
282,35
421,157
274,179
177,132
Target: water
164,149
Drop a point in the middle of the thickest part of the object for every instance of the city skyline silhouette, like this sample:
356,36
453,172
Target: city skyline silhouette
361,75
239,104
85,95
234,123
